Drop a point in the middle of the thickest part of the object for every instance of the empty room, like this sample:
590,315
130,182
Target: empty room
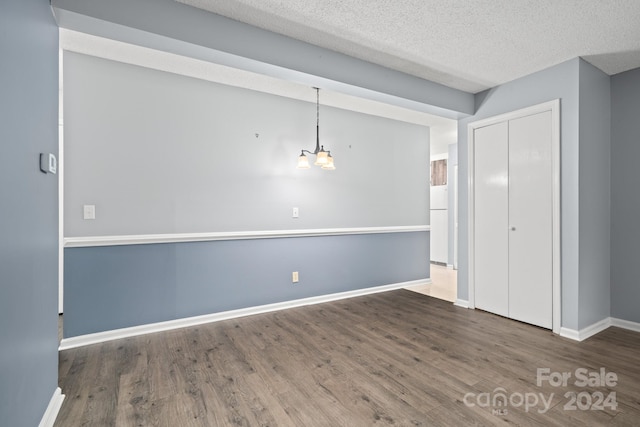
305,213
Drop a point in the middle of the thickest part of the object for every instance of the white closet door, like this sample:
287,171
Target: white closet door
530,218
491,237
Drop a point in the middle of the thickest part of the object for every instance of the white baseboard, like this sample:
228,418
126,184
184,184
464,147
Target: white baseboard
572,334
50,415
419,284
597,327
587,332
625,324
100,337
461,303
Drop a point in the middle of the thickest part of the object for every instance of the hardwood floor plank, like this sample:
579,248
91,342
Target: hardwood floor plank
378,359
395,358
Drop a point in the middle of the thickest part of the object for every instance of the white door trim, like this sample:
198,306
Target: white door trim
60,182
455,217
554,107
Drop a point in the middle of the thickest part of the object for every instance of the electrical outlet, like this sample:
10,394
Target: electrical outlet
89,211
294,277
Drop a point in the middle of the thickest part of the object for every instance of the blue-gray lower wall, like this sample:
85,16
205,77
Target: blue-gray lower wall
625,198
114,287
28,211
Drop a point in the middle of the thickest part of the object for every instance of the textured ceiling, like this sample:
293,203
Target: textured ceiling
470,45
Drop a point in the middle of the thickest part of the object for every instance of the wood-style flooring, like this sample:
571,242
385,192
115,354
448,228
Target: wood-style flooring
394,358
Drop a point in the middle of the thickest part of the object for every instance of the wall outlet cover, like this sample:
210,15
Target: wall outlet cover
89,211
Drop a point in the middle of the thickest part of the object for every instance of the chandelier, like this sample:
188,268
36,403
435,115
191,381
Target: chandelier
323,158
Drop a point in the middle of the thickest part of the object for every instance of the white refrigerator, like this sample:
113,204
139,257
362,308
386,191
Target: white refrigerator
439,224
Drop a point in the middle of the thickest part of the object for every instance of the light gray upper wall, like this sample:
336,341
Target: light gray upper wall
595,190
161,153
174,27
560,81
625,197
28,211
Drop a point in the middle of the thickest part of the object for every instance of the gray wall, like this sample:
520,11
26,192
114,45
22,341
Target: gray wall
119,286
560,81
161,153
595,192
28,211
625,196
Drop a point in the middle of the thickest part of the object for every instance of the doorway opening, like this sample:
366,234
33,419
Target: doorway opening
443,215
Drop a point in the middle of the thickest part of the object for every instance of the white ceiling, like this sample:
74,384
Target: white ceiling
470,45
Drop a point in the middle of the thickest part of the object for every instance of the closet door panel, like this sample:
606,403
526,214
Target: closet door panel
530,220
491,204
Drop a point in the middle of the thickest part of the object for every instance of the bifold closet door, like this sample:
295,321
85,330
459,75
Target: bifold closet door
530,219
491,237
513,228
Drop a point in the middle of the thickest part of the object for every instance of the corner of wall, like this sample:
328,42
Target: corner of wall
625,203
594,194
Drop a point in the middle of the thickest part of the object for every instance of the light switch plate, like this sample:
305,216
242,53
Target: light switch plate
296,212
53,164
48,163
